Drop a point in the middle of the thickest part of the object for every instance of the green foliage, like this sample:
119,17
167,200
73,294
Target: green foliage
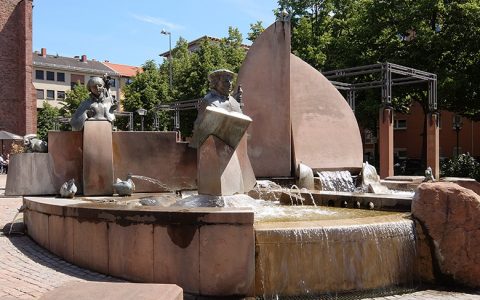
461,166
190,71
46,119
436,36
255,30
73,98
145,91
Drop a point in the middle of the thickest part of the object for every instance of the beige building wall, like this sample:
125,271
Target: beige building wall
58,88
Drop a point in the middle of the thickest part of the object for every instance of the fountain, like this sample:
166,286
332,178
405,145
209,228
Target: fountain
223,242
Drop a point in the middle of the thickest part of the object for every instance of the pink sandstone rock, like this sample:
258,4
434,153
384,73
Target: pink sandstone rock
449,217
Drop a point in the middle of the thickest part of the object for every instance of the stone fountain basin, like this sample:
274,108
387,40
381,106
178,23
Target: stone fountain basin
222,251
392,202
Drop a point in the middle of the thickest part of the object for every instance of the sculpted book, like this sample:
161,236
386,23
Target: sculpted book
227,126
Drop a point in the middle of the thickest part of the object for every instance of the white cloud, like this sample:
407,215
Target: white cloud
158,21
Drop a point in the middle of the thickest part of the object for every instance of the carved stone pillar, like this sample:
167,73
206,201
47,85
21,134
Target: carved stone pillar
97,158
433,153
385,141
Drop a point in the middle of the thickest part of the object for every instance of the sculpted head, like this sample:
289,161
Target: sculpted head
221,81
95,85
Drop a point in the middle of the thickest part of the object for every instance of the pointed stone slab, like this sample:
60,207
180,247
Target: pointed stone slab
325,133
265,80
97,158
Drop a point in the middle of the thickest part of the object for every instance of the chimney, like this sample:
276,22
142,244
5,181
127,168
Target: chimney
44,52
84,58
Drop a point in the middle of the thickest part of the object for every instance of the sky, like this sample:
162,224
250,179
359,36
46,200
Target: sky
128,31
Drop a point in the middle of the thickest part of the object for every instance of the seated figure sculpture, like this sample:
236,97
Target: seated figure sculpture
220,137
100,105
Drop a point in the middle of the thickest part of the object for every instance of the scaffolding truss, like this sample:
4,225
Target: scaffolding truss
389,75
176,107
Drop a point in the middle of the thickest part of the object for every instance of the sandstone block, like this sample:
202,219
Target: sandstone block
450,218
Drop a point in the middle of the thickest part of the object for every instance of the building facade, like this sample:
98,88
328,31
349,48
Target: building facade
124,75
408,136
54,75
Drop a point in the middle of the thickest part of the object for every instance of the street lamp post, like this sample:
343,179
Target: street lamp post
457,125
141,112
169,54
176,120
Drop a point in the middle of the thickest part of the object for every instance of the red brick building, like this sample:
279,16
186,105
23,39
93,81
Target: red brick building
408,137
17,102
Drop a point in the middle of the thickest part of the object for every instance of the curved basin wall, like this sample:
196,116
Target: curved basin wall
221,252
309,258
207,251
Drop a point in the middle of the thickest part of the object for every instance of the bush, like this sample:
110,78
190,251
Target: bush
17,148
463,165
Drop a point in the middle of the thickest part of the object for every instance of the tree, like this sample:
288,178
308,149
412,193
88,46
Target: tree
146,90
73,98
255,30
190,81
47,117
432,35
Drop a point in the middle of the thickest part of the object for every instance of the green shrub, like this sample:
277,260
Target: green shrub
463,165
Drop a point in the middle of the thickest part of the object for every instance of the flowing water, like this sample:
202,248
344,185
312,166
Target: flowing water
152,180
343,255
13,222
338,181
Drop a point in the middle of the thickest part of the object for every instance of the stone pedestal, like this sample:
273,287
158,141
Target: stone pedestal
385,140
31,174
433,153
97,158
221,172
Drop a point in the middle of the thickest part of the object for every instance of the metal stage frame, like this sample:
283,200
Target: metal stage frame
385,82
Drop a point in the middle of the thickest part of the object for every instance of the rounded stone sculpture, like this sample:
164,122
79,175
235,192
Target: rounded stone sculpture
68,189
33,144
124,187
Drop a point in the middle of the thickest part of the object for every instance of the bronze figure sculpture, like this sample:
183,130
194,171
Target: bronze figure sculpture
100,106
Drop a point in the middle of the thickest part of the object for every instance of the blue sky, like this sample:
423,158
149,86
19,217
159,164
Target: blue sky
128,31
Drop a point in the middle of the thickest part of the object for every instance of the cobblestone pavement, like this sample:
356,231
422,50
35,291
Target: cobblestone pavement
27,271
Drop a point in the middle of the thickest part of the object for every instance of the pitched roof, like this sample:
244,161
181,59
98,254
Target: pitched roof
71,64
124,70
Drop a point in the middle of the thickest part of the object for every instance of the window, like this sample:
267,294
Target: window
400,154
400,124
50,94
39,74
128,81
112,82
369,137
60,95
60,76
50,75
40,94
